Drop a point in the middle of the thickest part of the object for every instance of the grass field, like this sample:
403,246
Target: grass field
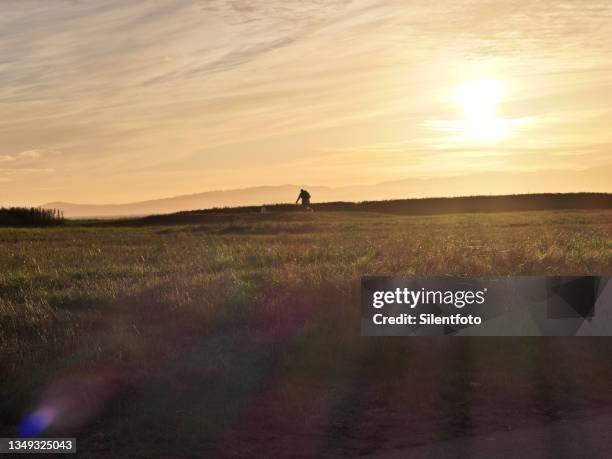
239,335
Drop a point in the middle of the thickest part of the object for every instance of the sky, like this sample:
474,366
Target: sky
115,101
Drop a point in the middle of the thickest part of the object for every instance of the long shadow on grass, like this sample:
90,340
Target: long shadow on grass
556,399
380,359
191,399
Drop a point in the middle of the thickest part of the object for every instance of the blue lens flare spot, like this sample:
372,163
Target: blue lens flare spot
35,423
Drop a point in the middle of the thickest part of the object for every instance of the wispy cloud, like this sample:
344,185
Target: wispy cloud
171,97
29,155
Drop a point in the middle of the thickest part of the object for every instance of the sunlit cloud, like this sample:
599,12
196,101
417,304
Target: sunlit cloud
163,98
26,163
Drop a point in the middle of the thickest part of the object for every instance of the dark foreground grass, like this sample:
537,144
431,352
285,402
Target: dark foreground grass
239,337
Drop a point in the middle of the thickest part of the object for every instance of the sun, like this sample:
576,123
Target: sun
479,99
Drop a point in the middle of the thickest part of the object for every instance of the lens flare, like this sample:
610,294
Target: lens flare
72,401
37,422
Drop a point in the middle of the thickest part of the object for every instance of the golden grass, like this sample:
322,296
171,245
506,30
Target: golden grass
286,286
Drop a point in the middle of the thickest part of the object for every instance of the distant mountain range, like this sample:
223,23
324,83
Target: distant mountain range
490,183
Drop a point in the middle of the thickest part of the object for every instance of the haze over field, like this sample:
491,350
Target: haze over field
497,183
116,102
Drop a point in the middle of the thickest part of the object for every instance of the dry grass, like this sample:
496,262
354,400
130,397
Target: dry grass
242,333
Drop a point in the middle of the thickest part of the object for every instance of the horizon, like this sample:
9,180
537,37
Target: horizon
336,188
496,184
172,99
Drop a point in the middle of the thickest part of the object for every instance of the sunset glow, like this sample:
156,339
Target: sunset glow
113,102
478,100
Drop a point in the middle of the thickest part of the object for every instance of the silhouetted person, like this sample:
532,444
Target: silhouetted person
305,197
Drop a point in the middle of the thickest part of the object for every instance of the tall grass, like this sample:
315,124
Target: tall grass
240,334
30,216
